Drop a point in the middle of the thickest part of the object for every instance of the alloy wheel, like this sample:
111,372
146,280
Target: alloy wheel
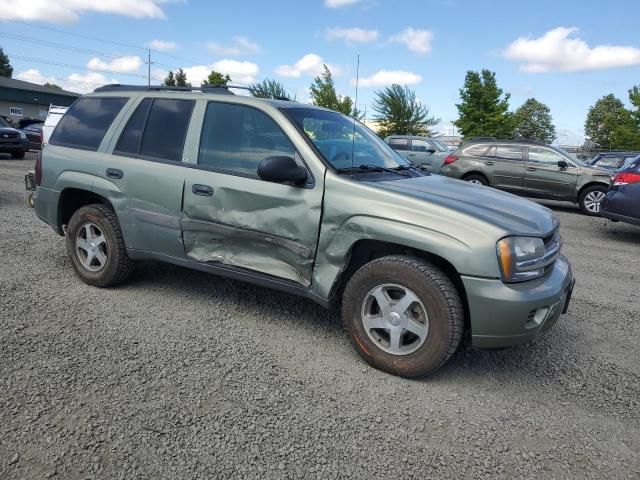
91,247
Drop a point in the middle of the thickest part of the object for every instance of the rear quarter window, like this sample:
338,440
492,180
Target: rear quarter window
475,150
86,122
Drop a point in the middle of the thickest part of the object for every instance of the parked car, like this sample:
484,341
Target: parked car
33,132
53,117
12,141
622,202
424,151
613,160
305,200
529,168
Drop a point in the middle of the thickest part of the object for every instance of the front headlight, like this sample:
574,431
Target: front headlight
23,136
523,258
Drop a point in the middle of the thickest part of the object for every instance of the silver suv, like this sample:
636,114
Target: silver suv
424,151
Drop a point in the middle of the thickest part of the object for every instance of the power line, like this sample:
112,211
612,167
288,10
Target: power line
59,64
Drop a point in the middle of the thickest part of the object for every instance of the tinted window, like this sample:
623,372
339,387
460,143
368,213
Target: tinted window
544,155
237,138
613,162
129,142
507,152
86,122
474,150
166,129
399,143
420,146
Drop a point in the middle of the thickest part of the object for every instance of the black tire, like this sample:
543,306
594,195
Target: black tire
477,178
18,155
585,195
118,266
439,297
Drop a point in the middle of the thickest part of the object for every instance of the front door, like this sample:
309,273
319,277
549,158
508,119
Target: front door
545,178
422,153
504,166
233,217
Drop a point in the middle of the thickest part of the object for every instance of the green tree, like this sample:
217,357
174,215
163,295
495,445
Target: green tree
217,78
610,125
53,85
6,70
398,112
181,79
483,110
323,94
170,79
533,120
634,98
268,89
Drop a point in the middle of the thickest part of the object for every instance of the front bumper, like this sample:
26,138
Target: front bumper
509,314
14,146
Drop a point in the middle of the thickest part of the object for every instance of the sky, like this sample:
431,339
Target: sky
566,54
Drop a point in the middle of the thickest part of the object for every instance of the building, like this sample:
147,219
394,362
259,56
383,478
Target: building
20,99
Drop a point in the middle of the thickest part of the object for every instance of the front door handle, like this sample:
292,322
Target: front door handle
531,169
114,173
488,163
411,154
203,190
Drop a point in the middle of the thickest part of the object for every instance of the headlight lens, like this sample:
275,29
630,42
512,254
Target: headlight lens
23,136
522,258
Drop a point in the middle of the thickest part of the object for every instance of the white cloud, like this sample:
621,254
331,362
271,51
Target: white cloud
240,72
120,65
239,46
389,77
352,35
560,50
418,41
310,64
79,83
339,3
162,45
66,11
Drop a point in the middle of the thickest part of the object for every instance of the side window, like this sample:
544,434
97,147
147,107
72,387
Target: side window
87,120
129,142
474,150
507,152
399,143
544,155
420,146
236,138
166,129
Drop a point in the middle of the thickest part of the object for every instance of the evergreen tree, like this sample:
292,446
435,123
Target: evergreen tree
6,70
483,110
323,94
217,78
609,124
533,120
170,80
268,89
400,113
181,79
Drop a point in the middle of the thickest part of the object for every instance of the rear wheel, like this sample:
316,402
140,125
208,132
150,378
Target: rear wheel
96,247
591,199
18,155
403,315
477,179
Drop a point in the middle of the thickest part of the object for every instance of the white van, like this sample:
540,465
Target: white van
53,117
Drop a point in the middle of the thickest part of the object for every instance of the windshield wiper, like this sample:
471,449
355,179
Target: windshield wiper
370,168
414,166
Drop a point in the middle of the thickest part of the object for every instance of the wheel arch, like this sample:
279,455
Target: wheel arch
477,173
592,184
71,199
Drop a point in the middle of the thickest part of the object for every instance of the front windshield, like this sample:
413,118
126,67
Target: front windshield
440,146
335,137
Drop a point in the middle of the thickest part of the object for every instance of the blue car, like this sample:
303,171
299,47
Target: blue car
622,202
613,160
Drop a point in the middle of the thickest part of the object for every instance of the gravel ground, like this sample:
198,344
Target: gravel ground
179,374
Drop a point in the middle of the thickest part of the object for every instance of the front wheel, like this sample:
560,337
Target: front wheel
96,247
403,315
591,199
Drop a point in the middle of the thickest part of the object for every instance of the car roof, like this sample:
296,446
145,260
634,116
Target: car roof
410,137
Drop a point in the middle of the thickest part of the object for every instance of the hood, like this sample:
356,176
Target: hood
8,130
515,215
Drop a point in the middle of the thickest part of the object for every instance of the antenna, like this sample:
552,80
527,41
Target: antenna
355,110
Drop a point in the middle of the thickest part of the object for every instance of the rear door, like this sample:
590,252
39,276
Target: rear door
544,178
145,174
504,166
400,145
231,216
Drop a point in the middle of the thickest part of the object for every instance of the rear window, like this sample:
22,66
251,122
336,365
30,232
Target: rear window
507,152
475,150
87,120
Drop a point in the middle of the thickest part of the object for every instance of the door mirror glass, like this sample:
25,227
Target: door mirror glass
563,164
282,169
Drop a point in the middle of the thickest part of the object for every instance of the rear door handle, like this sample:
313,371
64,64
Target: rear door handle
203,190
531,169
488,163
114,173
411,154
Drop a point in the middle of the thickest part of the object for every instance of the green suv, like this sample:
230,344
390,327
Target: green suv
304,200
529,168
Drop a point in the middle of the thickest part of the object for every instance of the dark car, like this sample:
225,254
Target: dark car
622,202
12,141
34,135
613,160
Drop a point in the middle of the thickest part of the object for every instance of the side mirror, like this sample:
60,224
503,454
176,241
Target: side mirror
282,169
563,165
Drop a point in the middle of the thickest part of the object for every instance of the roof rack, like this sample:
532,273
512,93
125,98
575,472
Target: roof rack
512,140
222,89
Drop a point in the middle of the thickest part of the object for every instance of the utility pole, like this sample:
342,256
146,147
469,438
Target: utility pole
148,67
